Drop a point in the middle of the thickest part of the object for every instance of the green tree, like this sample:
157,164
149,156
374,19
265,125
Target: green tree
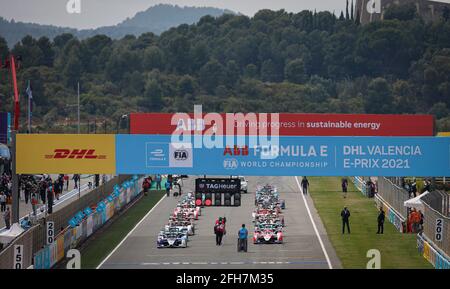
403,12
211,75
186,85
439,110
379,97
295,71
153,58
152,96
4,50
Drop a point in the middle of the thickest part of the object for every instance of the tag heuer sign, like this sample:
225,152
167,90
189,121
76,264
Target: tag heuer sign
217,185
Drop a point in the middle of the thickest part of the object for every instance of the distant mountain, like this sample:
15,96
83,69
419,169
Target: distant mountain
156,19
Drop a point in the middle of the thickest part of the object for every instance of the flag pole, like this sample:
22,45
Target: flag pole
29,107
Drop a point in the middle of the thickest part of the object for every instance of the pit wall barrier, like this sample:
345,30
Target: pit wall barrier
72,237
360,184
428,250
391,214
386,189
34,239
436,252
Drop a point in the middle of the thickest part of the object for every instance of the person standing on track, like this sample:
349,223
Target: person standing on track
146,186
168,188
380,219
344,187
158,181
345,215
219,230
242,239
305,185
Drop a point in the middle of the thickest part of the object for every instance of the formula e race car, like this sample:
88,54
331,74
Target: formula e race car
186,213
171,239
267,234
181,225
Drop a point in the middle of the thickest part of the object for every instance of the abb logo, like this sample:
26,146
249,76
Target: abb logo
75,154
236,151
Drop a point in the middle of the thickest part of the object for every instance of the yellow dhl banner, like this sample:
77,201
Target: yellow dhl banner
65,154
444,134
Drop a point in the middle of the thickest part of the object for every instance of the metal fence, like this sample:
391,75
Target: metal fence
436,228
391,192
360,184
71,237
7,255
35,238
435,257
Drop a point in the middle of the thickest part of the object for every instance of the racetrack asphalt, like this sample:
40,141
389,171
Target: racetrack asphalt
301,248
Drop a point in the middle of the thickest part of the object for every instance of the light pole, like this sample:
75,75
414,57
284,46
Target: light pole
78,105
78,96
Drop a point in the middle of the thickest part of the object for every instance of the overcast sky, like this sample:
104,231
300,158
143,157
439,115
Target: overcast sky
95,13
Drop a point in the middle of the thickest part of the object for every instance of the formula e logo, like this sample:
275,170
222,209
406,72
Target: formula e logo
230,164
75,154
158,153
180,155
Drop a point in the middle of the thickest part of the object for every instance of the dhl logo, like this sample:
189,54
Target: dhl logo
75,154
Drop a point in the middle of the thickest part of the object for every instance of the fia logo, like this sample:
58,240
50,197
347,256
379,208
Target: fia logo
73,6
230,164
374,6
180,155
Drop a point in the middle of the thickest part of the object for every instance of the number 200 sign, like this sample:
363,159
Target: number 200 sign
439,225
50,232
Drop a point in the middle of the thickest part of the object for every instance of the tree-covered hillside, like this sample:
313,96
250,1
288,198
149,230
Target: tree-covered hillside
273,62
155,19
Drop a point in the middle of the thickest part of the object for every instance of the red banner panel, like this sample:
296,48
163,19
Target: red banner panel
285,124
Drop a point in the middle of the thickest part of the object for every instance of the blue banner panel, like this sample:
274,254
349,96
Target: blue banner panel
291,156
5,122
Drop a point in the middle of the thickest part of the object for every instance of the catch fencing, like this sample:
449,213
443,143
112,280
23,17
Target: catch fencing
71,237
391,192
34,239
436,257
434,242
391,196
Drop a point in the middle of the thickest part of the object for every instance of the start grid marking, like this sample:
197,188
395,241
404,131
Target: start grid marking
234,263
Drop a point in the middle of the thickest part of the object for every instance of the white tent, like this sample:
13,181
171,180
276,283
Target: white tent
416,202
7,236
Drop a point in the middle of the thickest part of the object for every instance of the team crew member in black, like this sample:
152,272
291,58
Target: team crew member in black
381,217
345,215
305,185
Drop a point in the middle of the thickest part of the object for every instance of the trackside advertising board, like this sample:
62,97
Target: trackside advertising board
251,156
287,124
66,153
292,156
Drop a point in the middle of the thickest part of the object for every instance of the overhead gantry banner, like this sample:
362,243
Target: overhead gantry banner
285,156
216,155
66,154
